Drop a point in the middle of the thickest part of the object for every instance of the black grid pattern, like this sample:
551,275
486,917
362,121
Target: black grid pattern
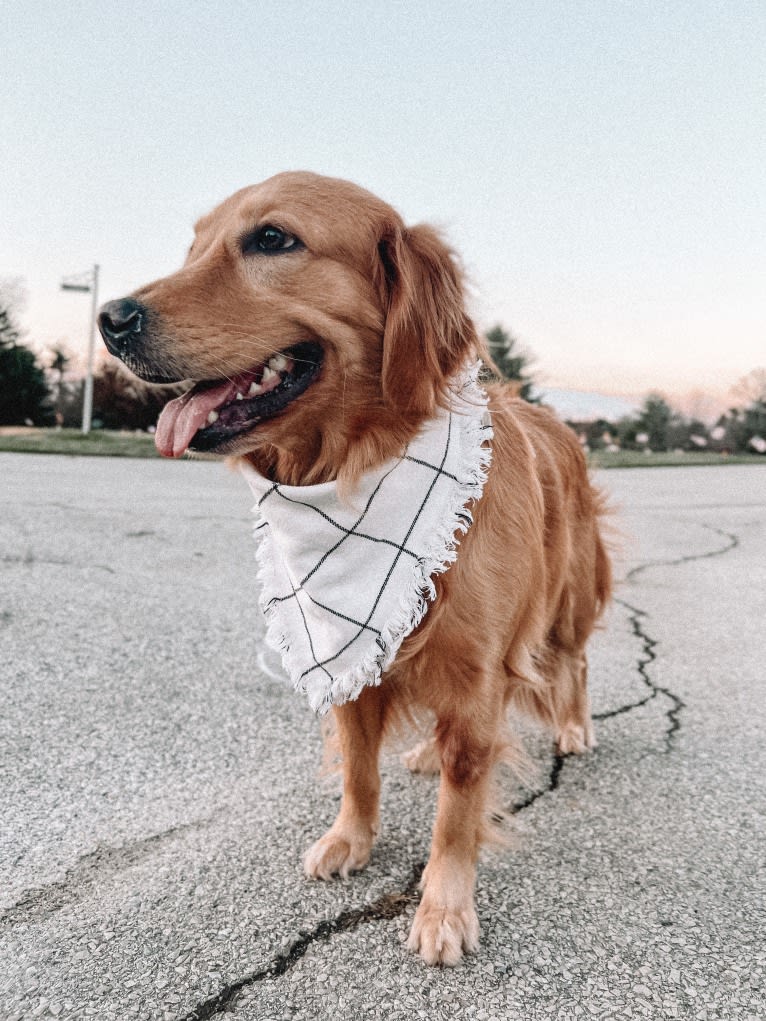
319,604
398,550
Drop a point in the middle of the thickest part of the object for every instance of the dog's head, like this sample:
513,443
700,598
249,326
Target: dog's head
305,311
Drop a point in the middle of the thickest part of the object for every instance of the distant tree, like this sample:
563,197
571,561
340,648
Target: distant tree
727,433
512,362
754,426
60,359
656,426
600,433
10,333
751,389
655,419
743,428
699,434
628,430
24,392
69,403
751,420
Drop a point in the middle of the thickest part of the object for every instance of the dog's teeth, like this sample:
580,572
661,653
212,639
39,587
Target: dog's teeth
212,416
255,389
268,373
278,363
240,397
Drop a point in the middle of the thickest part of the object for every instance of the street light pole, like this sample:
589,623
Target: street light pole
80,284
87,402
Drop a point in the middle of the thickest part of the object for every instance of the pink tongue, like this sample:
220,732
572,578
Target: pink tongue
181,418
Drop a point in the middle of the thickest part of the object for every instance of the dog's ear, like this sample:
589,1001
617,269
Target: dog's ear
428,333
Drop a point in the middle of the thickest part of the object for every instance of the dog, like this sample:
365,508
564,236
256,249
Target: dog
321,333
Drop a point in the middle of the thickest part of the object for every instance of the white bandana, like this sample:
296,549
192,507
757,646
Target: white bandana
343,584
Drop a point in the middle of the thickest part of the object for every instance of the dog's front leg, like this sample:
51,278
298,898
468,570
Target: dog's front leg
347,844
446,923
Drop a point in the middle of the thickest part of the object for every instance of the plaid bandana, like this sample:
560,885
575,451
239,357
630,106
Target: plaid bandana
344,583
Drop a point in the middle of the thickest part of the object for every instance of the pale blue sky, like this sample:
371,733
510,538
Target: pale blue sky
601,166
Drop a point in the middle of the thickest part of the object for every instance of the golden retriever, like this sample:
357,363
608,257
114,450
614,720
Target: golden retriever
369,319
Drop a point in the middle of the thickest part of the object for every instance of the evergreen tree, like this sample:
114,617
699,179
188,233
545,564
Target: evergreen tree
655,420
512,362
24,393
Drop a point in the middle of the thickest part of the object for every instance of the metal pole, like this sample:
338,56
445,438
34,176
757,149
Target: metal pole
87,402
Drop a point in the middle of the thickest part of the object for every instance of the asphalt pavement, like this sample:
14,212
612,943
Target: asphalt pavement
157,792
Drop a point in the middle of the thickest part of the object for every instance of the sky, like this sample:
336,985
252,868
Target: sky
599,166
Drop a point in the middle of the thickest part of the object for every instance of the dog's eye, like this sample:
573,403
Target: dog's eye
269,240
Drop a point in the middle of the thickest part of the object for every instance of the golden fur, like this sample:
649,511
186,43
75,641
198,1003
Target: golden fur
512,615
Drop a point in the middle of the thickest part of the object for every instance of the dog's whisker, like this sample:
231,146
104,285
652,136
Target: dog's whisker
239,369
245,338
230,370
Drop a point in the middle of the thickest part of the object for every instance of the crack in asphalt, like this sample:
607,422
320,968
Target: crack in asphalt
557,765
40,902
649,644
390,905
647,657
643,663
733,542
386,907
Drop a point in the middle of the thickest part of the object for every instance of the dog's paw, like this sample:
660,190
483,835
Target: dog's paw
423,758
337,853
440,935
574,739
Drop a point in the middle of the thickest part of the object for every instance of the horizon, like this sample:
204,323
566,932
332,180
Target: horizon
570,404
599,170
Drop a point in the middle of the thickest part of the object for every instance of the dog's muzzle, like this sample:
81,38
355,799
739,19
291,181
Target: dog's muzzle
130,333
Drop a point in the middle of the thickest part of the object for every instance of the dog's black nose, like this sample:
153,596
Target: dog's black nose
121,323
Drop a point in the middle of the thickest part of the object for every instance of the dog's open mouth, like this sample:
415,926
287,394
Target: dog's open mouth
214,412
